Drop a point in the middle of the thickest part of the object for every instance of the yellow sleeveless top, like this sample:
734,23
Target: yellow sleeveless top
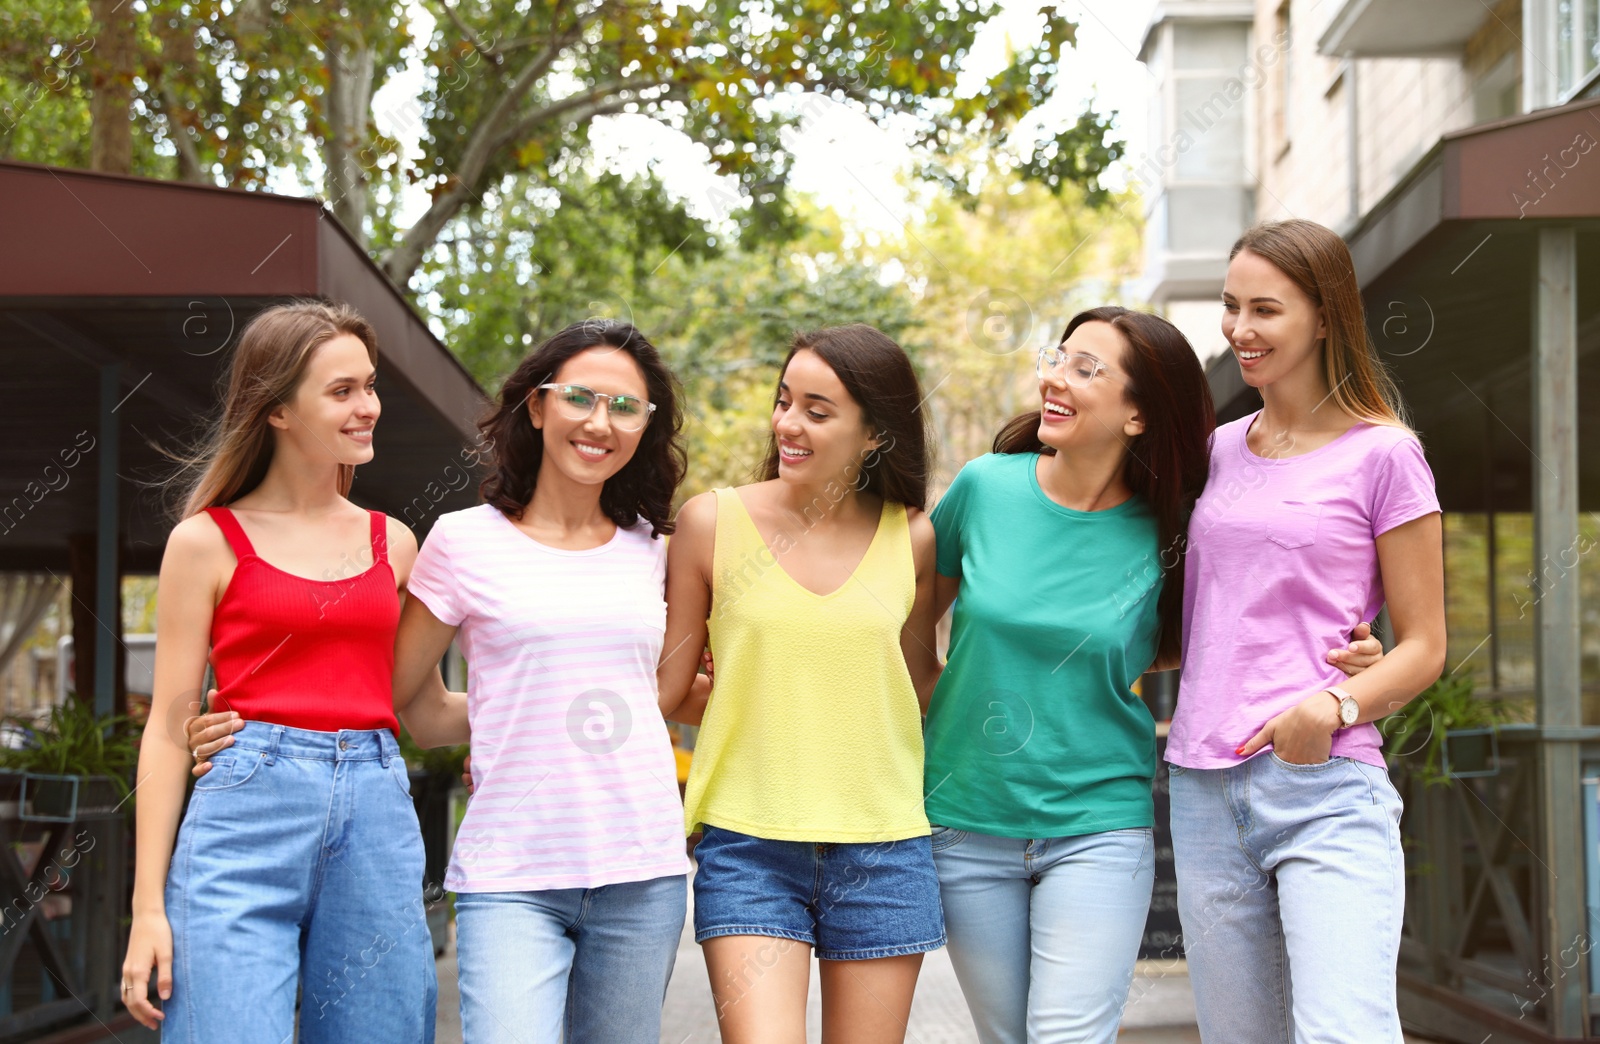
813,732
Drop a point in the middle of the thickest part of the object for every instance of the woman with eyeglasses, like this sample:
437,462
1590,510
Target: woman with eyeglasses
1291,879
1062,553
569,866
814,588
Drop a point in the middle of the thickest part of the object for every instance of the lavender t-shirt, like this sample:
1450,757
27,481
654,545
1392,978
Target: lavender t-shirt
1282,564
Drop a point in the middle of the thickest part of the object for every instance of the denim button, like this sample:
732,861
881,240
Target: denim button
344,744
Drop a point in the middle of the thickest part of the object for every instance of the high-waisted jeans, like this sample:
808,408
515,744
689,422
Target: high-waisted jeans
1291,888
298,870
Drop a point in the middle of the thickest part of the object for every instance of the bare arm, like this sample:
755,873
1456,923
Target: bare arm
917,638
192,568
434,716
1411,562
688,611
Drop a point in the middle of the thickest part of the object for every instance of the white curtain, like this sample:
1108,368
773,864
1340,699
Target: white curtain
24,598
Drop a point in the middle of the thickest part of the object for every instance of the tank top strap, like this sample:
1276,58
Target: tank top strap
380,537
233,531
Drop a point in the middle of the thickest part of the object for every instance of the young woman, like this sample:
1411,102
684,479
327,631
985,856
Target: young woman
1062,552
298,868
1320,507
586,459
815,589
569,866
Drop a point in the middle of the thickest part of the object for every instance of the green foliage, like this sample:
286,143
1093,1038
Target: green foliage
77,743
546,255
1419,728
436,761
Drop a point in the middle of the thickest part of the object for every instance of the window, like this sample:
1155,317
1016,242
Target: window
1285,109
1577,44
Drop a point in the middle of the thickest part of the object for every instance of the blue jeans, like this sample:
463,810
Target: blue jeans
1044,932
299,867
580,965
1291,888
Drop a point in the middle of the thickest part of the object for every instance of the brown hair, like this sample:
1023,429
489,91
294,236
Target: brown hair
1166,464
274,351
880,378
643,487
1317,261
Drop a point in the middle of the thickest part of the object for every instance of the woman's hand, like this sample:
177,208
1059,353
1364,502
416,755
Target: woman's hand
149,944
209,733
1301,735
466,774
1363,651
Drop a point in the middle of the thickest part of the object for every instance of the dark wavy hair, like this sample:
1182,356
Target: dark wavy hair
645,485
1167,464
880,378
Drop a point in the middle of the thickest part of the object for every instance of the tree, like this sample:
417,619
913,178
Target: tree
230,92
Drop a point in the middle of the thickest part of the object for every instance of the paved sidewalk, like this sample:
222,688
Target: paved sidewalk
1160,1008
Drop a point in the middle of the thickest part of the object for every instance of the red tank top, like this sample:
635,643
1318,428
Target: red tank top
309,654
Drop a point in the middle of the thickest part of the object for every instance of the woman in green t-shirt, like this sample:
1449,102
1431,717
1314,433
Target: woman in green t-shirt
1062,552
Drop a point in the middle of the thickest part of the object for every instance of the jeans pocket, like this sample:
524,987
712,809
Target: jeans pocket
230,769
1315,767
944,837
400,772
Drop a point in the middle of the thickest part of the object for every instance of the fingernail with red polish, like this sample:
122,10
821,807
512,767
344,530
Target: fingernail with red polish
1239,752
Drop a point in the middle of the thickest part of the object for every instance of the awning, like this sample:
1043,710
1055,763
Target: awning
150,282
1445,263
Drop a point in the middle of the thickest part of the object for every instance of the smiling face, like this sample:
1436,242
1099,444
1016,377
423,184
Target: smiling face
1096,417
822,432
334,409
1273,328
592,449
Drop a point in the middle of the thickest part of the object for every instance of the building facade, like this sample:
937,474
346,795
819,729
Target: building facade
1455,145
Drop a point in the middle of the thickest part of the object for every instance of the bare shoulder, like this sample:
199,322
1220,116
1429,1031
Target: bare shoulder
197,535
698,516
402,547
197,556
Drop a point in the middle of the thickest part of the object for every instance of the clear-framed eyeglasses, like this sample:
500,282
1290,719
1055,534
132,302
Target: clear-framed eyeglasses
575,402
1077,368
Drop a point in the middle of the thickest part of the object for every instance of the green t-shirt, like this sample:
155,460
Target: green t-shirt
1034,730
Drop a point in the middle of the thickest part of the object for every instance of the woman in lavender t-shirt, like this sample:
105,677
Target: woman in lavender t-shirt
1320,509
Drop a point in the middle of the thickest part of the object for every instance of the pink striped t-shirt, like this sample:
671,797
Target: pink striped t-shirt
576,785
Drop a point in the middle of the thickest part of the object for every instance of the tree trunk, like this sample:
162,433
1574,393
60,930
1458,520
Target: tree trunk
111,68
350,71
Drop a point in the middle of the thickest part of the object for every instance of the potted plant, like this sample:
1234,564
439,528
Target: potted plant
435,772
76,764
1447,733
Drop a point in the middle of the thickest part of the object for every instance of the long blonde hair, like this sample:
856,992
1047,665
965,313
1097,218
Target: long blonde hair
1317,261
273,353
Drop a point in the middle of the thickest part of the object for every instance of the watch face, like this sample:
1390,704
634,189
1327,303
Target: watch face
1349,711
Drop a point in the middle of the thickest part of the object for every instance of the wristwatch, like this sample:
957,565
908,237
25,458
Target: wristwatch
1349,709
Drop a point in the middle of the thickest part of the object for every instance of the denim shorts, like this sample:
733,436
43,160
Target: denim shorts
849,902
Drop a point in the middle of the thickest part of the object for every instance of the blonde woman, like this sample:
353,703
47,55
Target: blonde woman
1320,510
298,867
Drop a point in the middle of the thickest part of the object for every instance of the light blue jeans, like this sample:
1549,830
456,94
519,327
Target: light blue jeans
1291,889
299,867
1044,932
579,965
